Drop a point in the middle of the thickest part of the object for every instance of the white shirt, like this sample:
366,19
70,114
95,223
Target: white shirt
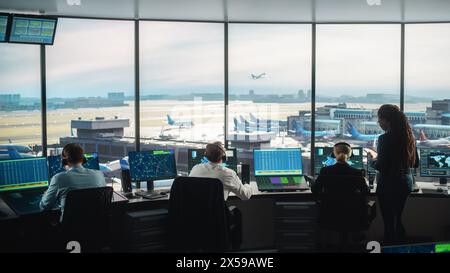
229,178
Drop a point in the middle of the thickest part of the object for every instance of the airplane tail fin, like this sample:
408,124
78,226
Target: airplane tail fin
422,136
253,118
170,121
352,130
236,124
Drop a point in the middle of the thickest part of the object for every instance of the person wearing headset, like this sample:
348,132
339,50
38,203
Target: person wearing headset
342,151
215,153
75,177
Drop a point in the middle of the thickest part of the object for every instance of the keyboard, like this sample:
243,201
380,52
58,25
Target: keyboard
151,194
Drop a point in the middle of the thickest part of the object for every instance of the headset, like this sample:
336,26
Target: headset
342,143
224,153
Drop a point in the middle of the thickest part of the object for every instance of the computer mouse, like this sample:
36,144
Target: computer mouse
163,193
440,190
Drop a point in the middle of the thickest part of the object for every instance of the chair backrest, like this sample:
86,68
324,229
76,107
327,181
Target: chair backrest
87,213
343,202
198,215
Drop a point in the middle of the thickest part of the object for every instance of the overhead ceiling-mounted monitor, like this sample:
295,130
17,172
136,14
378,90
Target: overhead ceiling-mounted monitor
4,27
32,29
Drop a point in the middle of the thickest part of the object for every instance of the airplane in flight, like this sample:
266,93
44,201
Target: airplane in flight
259,76
300,131
181,124
358,136
281,123
433,143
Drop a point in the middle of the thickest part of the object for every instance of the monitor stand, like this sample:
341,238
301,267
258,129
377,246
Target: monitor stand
149,193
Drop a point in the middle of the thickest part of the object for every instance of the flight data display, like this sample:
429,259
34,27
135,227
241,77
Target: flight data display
152,165
33,30
3,27
277,162
197,156
435,162
324,157
24,173
55,164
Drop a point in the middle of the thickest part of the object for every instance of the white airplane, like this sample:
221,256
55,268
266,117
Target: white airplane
181,124
259,76
433,143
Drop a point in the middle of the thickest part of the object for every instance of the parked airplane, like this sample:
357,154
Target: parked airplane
259,76
281,123
181,124
246,126
433,143
358,136
300,131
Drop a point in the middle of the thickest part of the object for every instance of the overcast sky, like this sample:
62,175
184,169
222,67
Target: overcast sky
93,57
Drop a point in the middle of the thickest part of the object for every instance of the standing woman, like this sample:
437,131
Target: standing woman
396,155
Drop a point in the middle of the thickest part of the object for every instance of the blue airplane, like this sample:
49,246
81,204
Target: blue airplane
9,151
300,131
357,135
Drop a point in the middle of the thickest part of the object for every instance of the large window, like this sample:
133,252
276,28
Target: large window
269,87
90,86
427,84
358,70
182,85
20,100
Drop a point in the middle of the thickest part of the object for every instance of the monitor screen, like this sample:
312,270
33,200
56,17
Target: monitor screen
277,162
435,162
324,157
4,19
55,164
32,29
152,165
196,156
24,173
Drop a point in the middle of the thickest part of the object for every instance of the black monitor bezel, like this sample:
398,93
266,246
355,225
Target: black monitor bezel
420,163
189,151
288,148
32,16
160,177
361,149
8,26
27,189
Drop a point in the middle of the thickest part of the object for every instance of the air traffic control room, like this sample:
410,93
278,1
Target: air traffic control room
224,126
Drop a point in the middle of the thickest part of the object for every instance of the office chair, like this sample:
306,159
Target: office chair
86,218
199,218
343,205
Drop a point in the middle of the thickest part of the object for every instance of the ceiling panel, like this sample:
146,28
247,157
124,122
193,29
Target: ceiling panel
243,10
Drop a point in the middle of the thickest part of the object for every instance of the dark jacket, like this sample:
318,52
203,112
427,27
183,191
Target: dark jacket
392,177
340,169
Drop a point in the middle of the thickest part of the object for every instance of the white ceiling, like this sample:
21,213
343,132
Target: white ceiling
243,10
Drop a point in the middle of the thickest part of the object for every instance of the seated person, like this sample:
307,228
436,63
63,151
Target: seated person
75,177
342,152
215,153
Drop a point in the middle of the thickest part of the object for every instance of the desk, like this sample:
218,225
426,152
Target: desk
426,214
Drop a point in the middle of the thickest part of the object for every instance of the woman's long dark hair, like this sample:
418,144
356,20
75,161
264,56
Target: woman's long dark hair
402,132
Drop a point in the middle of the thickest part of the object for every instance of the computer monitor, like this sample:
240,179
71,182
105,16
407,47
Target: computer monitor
324,157
55,163
435,162
24,173
4,27
278,169
32,29
197,156
152,165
